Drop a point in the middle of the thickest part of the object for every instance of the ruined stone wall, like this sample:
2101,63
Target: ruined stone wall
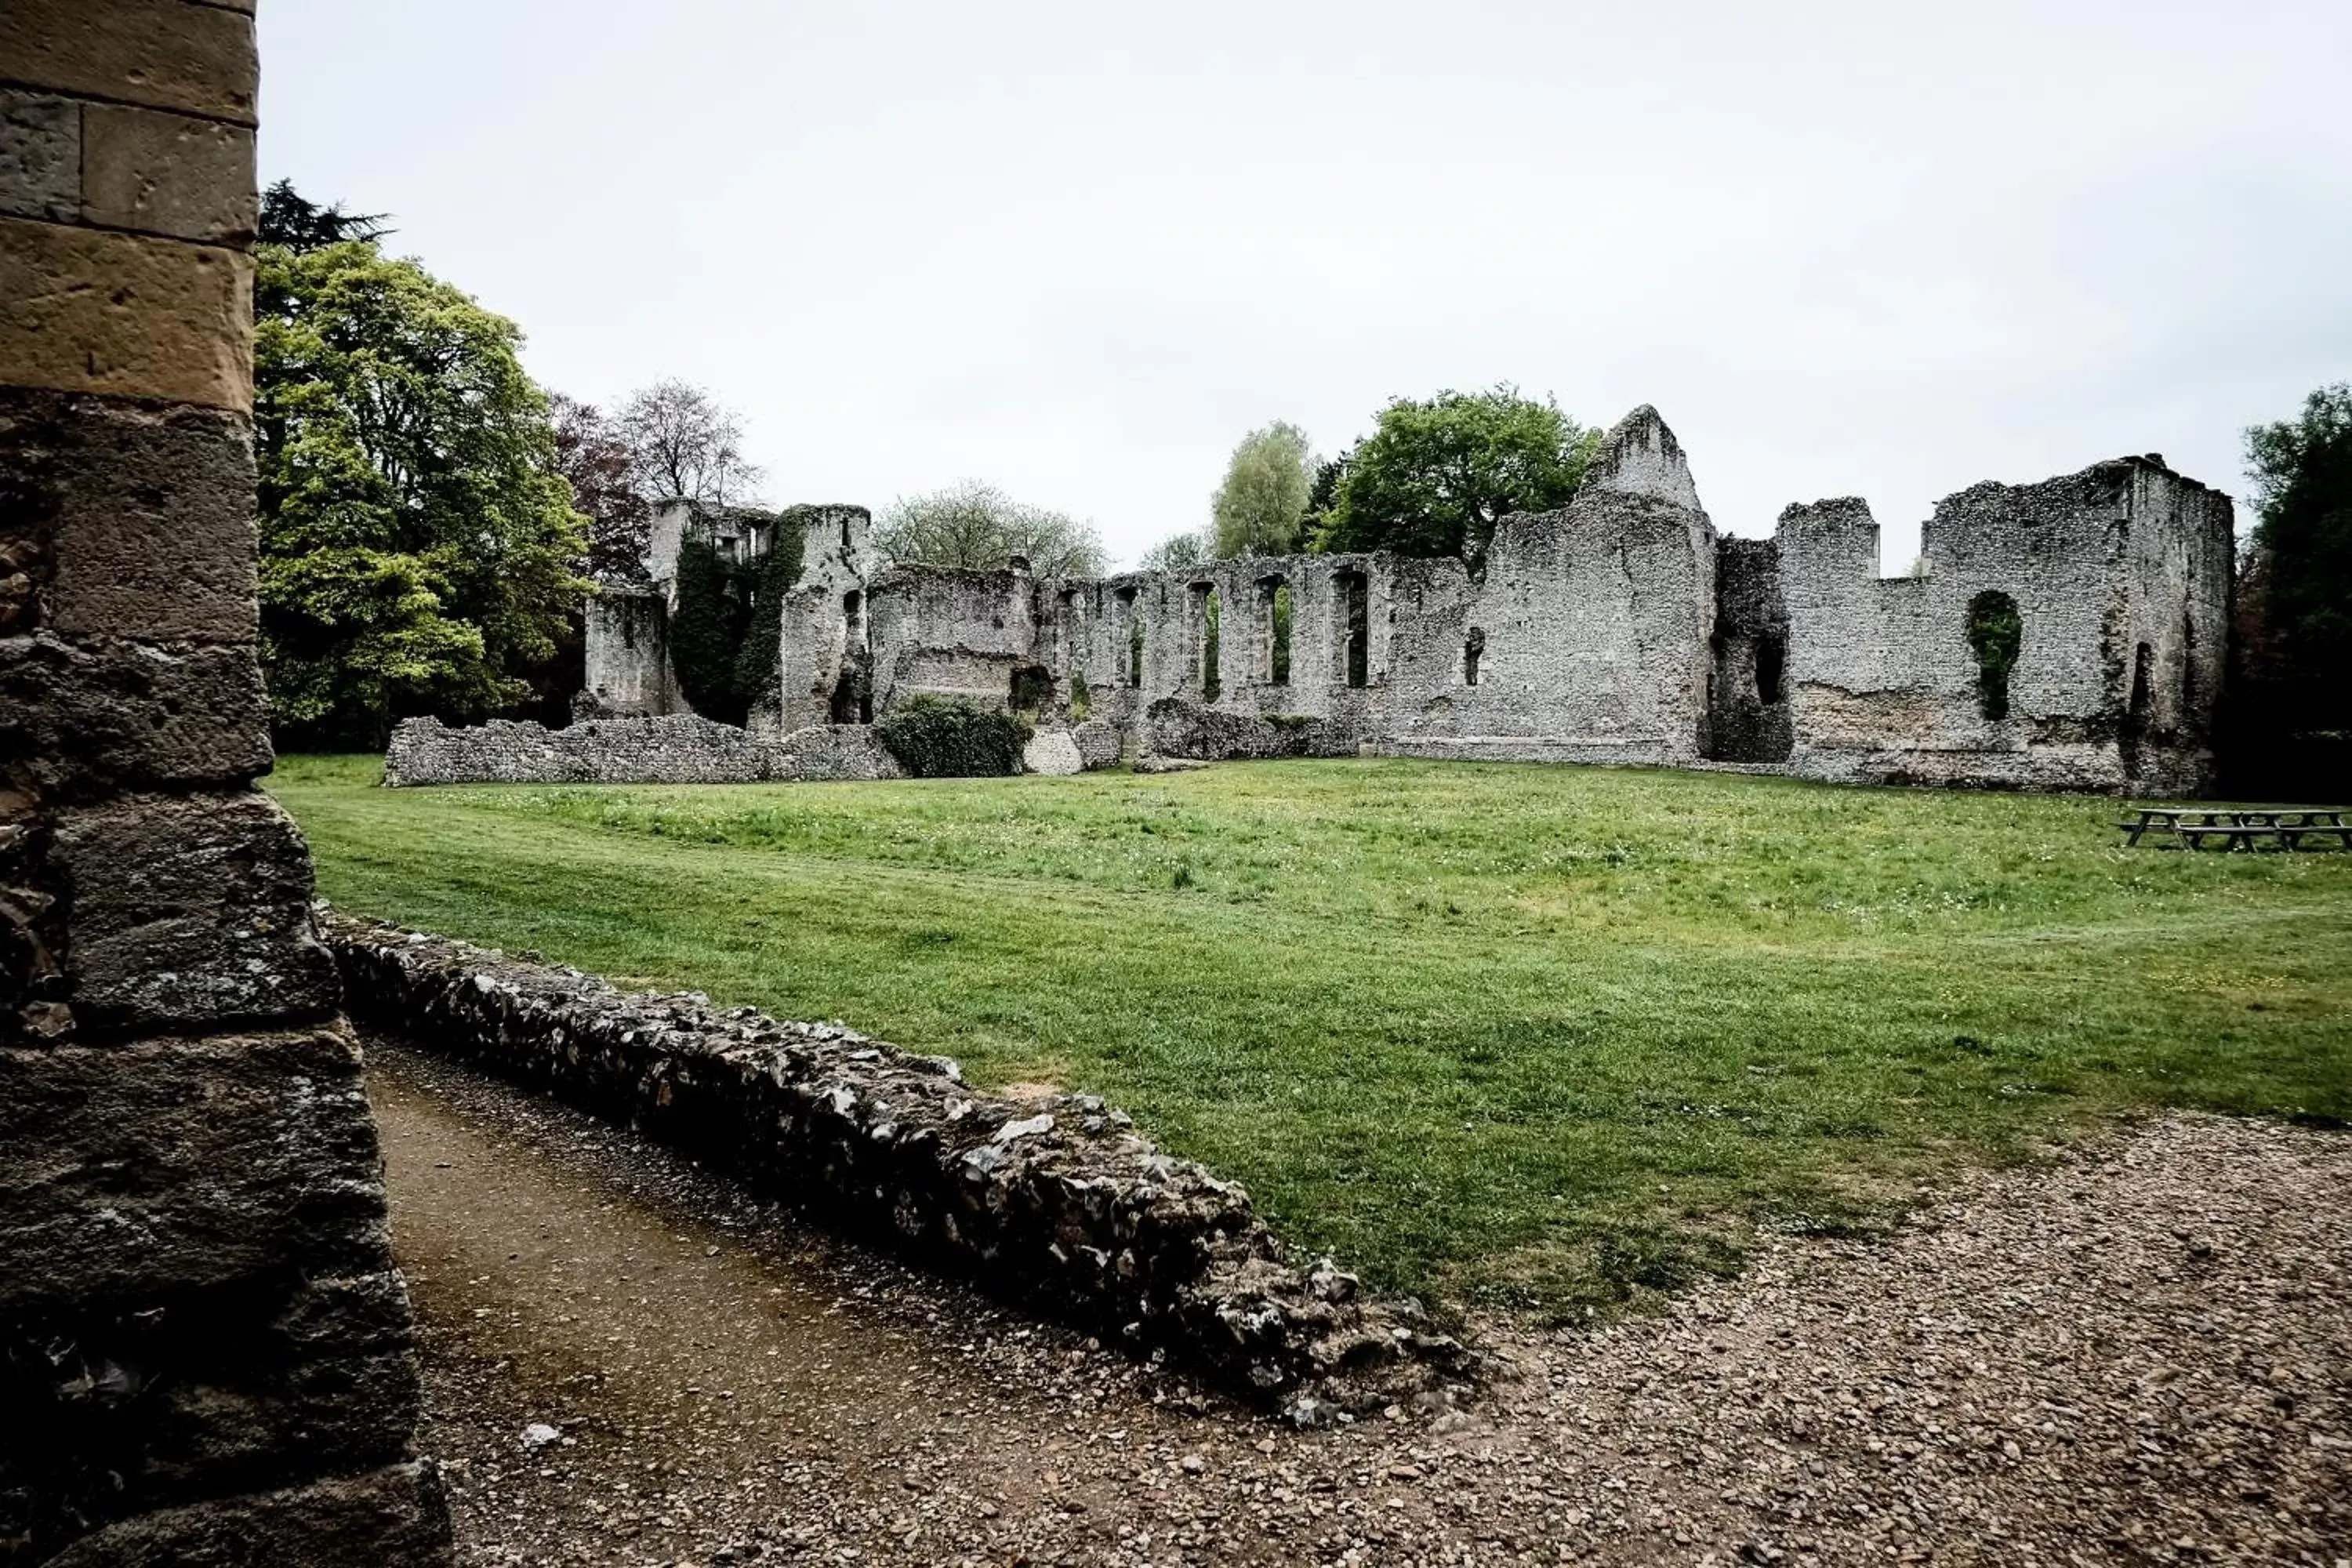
678,748
1592,623
629,671
1618,629
1885,684
945,632
205,1351
825,677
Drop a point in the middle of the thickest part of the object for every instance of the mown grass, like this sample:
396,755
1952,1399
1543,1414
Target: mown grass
1544,1033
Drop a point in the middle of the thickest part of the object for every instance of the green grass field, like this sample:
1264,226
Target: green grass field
1544,1033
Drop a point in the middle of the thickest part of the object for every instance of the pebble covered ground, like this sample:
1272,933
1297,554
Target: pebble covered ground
2141,1354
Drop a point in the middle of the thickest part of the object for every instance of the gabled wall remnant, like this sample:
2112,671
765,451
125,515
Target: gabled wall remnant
1622,629
204,1350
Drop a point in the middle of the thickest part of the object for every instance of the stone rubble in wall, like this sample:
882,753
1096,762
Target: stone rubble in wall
1057,1204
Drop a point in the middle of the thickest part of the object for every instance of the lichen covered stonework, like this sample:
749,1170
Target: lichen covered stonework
1620,629
205,1349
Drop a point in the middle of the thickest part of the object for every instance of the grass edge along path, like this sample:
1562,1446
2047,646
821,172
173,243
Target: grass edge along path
1549,1036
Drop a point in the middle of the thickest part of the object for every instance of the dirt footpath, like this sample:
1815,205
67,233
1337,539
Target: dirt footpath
2143,1357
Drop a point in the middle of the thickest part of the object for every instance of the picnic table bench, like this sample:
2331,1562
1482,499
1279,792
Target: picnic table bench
2184,827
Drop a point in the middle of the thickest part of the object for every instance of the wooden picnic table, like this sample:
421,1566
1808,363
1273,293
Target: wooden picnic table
2238,827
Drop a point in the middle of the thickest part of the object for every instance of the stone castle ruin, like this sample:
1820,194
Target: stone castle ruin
2066,634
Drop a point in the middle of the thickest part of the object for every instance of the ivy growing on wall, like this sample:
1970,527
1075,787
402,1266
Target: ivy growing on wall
726,634
758,660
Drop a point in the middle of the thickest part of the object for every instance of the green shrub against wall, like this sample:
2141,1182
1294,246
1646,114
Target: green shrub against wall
938,738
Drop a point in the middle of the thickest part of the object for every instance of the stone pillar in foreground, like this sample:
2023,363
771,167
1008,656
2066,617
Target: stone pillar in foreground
205,1351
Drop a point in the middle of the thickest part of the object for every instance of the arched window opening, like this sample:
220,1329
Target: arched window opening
1474,648
1996,635
1135,652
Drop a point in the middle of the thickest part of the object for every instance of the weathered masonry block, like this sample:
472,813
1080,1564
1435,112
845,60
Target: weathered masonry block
206,1351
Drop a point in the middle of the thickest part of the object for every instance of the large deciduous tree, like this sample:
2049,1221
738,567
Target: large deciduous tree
1262,502
684,442
978,526
418,544
1435,475
2289,706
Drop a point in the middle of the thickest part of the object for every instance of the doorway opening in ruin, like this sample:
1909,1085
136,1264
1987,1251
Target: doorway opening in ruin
1771,666
1354,591
1033,688
1996,635
1474,648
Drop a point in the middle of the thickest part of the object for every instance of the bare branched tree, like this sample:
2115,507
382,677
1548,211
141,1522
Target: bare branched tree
684,442
978,526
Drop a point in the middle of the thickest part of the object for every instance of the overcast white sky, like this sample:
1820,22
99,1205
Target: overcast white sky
1078,249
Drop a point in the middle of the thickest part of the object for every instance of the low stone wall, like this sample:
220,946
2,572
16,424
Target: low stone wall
678,748
1057,1204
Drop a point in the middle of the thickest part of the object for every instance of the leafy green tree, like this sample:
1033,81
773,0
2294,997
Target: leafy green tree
1435,475
417,544
1259,508
1193,547
2290,702
979,528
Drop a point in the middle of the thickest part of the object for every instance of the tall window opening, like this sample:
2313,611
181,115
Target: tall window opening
2136,710
1771,666
1354,594
1211,615
1996,635
1474,648
1278,657
1129,667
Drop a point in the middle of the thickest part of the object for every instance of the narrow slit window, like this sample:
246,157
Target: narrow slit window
1474,648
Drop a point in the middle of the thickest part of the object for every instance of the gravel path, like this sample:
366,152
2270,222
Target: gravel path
2143,1355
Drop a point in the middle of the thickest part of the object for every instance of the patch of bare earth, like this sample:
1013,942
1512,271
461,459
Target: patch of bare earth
2142,1356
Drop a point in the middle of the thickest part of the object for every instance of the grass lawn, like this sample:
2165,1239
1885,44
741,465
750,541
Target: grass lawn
1551,1035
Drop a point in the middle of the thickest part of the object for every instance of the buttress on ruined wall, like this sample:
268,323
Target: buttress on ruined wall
1622,629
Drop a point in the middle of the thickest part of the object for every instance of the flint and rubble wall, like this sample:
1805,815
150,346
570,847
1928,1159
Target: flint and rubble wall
680,748
205,1348
1057,1204
1886,686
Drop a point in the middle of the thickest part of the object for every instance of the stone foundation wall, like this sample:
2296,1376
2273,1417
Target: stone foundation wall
1057,1204
204,1350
